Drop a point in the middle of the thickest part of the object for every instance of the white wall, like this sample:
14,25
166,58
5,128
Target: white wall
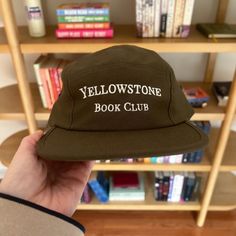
187,66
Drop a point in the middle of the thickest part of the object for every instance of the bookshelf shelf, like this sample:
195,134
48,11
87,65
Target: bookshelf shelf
223,200
9,146
124,34
11,107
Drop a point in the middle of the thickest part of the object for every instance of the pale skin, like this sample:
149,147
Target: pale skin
52,184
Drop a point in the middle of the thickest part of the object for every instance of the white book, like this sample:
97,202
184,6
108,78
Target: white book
36,66
170,18
151,18
139,17
172,159
178,158
157,17
178,18
144,18
177,187
171,185
187,18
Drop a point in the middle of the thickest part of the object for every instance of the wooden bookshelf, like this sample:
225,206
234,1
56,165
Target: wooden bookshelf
11,107
9,147
124,34
22,102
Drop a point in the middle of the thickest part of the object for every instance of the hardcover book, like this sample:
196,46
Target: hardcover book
78,18
84,33
214,30
83,9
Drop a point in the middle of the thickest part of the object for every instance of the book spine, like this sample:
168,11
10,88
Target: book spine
170,18
100,193
106,33
178,18
170,187
53,82
139,17
102,25
40,85
57,81
50,86
157,6
166,185
145,23
42,72
163,19
177,187
188,12
189,188
72,19
184,186
85,12
196,189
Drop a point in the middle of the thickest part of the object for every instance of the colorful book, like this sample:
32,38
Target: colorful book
102,25
196,96
37,64
99,191
92,9
188,12
69,19
96,33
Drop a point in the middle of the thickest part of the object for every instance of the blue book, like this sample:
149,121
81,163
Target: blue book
97,188
83,9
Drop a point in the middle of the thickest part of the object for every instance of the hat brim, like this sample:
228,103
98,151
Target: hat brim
66,145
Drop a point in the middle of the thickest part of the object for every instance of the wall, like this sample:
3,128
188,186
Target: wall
187,66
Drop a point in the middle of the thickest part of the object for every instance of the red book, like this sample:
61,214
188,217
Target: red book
125,179
84,33
97,25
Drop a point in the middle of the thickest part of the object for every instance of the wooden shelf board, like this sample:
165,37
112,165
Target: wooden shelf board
11,107
124,34
4,48
224,195
9,146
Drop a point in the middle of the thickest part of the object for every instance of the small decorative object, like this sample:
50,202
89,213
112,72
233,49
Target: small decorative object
35,18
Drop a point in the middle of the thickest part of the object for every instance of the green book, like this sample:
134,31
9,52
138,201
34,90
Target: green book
69,19
212,30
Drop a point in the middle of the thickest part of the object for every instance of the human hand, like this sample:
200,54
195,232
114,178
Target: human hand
51,184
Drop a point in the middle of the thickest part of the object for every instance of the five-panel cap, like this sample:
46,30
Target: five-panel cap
120,102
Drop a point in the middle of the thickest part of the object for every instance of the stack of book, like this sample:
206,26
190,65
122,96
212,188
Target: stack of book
84,20
176,186
126,186
48,75
221,92
196,96
166,18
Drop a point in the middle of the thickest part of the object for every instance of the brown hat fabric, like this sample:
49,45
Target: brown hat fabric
123,101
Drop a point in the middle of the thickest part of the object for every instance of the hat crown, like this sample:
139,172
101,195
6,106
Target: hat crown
119,88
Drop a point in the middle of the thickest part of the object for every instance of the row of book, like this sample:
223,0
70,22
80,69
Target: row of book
84,20
130,186
176,186
191,157
166,18
48,71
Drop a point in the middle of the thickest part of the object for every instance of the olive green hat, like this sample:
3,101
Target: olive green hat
120,102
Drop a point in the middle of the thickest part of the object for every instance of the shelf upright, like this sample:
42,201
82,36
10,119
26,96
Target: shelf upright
18,62
219,153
